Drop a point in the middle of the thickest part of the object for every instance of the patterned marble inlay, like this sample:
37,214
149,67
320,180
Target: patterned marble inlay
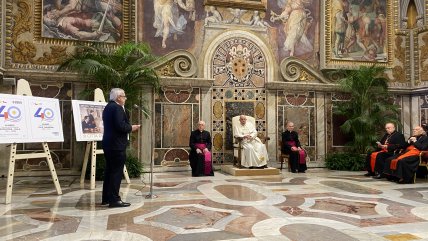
317,232
350,187
239,193
298,206
345,206
175,106
190,217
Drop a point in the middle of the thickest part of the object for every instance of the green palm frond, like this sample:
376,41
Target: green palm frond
369,105
124,67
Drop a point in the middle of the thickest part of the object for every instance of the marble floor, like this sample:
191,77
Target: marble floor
317,205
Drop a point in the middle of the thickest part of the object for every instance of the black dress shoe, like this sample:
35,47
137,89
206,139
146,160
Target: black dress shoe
401,181
104,203
293,171
378,176
369,174
118,204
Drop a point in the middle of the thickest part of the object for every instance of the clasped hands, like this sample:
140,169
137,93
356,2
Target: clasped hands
205,150
293,148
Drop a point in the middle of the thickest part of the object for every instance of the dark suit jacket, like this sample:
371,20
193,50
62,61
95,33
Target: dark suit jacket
116,127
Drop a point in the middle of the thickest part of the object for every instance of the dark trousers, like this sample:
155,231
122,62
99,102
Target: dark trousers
115,161
380,162
294,162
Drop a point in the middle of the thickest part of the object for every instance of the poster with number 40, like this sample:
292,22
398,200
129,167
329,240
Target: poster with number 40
26,119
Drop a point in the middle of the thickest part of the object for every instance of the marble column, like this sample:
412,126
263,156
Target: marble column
206,107
320,128
271,122
415,113
146,133
406,115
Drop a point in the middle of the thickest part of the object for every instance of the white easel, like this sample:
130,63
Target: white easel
23,88
91,146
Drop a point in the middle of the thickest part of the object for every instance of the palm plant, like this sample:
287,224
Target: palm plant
124,67
369,105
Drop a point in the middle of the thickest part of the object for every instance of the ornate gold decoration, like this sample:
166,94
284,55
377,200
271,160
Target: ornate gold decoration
424,56
398,72
305,76
293,69
218,142
329,62
167,70
246,4
400,53
178,63
218,109
24,52
57,55
260,110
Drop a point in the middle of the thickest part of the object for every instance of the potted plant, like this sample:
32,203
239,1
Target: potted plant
124,67
368,107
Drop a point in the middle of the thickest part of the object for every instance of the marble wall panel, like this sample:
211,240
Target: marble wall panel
336,139
298,108
175,116
177,112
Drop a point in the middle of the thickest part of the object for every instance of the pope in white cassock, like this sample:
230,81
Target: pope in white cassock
254,153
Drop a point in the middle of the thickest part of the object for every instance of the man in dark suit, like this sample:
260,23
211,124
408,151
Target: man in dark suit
115,141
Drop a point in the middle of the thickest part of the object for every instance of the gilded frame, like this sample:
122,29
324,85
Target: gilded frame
246,4
331,59
126,30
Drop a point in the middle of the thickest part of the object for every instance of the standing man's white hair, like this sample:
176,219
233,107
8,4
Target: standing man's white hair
115,93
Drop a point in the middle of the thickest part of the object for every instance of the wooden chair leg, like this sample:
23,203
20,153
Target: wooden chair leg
282,162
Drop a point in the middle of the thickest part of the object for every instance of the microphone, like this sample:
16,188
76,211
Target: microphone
139,108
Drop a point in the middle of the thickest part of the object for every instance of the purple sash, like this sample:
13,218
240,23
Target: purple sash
207,155
302,153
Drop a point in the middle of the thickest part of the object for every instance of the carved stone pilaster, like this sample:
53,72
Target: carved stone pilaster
179,63
295,70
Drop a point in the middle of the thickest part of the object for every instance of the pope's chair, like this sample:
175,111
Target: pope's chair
237,145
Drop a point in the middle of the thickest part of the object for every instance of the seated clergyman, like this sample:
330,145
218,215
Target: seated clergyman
386,147
403,167
200,155
291,146
254,153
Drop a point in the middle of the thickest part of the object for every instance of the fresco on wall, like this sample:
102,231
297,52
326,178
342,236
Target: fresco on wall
168,25
96,20
358,30
297,22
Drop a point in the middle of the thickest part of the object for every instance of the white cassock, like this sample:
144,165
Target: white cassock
254,152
